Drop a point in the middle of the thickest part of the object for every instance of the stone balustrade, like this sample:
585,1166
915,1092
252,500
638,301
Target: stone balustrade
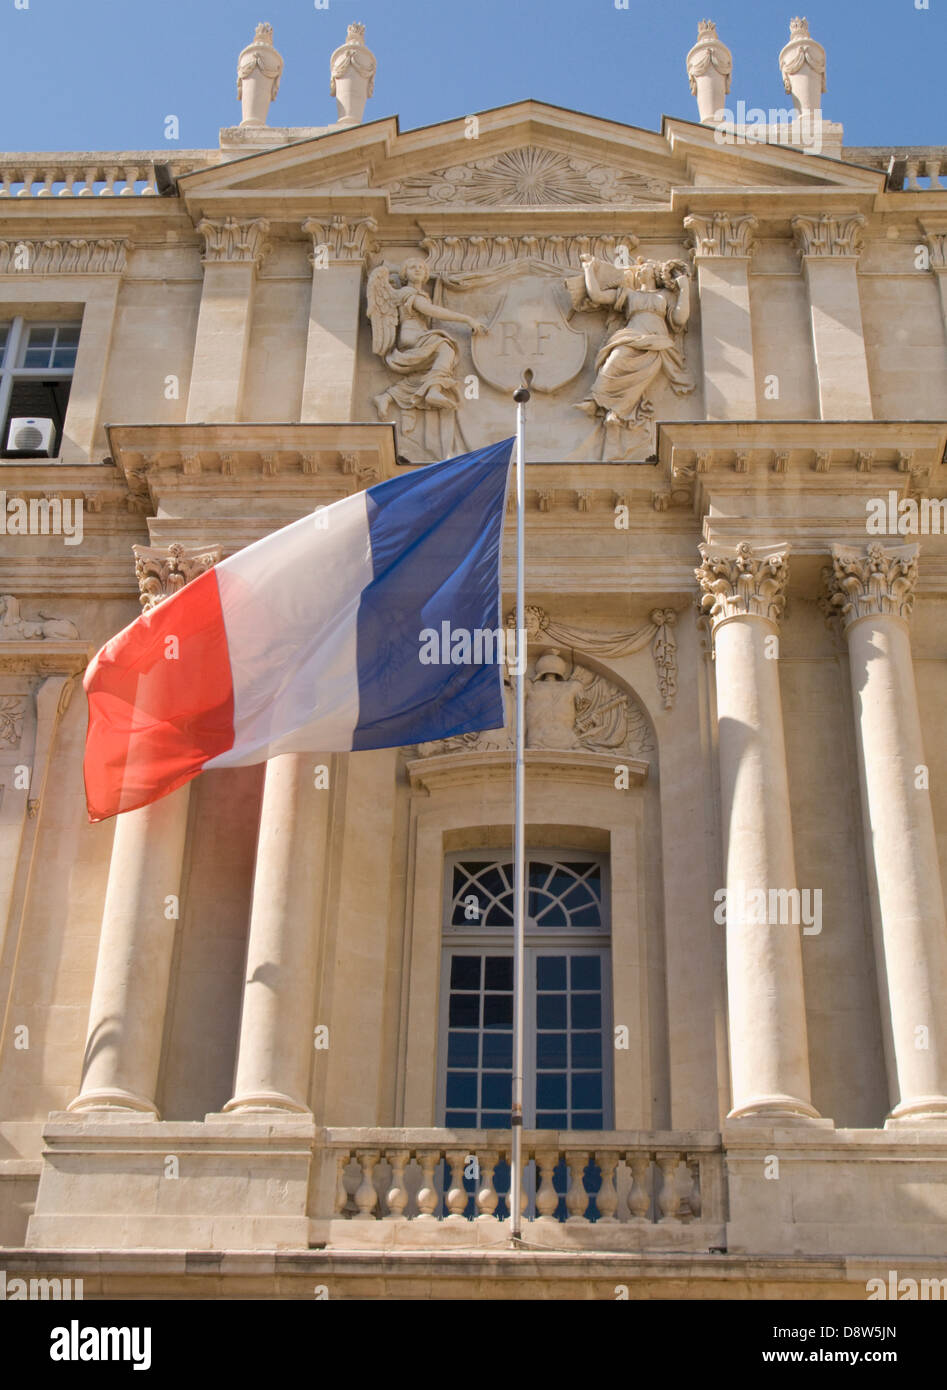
601,1190
909,168
122,175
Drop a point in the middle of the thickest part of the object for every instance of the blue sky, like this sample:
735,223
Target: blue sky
104,74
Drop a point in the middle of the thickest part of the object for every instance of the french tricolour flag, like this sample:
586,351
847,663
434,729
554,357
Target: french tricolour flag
309,640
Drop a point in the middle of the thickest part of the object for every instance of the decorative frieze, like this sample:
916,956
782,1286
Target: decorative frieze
62,255
345,240
829,235
162,572
527,177
230,241
455,255
743,581
870,582
721,235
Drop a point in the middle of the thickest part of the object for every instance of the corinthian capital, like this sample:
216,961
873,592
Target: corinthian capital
161,573
829,235
229,240
743,581
345,241
869,582
721,234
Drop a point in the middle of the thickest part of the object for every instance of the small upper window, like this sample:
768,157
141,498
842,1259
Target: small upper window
51,346
37,361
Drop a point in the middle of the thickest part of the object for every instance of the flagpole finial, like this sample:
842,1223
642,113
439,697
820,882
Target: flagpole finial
521,394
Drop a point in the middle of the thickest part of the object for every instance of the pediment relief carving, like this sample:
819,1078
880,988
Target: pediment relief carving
527,177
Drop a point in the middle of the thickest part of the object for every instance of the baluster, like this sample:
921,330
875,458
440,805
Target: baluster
547,1198
341,1191
669,1199
487,1196
606,1199
456,1197
910,173
27,190
111,174
366,1198
639,1198
577,1199
428,1196
396,1197
692,1197
69,178
49,178
89,190
6,188
131,177
150,189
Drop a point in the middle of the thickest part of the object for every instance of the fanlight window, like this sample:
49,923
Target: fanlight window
561,894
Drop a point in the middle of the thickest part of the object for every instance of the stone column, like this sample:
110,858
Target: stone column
133,969
338,256
743,594
872,591
829,246
276,1045
722,249
234,252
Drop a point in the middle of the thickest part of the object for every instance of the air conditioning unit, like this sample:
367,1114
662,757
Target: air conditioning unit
29,436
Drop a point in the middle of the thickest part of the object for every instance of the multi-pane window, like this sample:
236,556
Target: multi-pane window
566,993
37,361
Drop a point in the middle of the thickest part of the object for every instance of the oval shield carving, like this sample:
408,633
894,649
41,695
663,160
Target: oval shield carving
529,329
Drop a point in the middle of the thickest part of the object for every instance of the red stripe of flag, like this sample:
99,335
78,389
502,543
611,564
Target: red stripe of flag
160,701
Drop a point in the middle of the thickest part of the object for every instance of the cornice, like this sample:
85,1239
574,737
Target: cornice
446,771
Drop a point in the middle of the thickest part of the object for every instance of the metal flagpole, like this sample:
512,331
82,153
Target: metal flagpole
521,396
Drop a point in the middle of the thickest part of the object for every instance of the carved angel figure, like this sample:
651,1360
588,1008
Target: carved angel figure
401,314
649,305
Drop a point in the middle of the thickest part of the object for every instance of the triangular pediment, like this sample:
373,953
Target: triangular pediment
518,158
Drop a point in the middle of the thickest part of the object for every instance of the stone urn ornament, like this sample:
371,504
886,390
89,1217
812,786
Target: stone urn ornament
709,67
802,64
259,68
352,68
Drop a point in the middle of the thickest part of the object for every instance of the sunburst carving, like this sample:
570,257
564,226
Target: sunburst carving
528,177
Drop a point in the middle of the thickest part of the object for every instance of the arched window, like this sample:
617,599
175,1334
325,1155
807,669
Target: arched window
568,994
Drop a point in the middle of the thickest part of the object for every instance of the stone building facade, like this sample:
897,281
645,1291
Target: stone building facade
255,1037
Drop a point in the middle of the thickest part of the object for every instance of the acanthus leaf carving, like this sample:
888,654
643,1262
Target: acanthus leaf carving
63,255
12,709
161,573
742,581
231,241
829,235
721,234
453,255
343,239
870,582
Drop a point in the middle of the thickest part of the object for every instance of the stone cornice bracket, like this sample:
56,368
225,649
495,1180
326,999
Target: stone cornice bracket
871,582
742,581
721,235
228,241
456,255
63,255
829,235
346,241
162,572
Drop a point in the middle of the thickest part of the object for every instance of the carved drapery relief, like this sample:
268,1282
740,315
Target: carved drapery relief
869,582
62,256
648,306
161,573
345,240
829,235
424,357
541,628
527,177
15,628
721,234
12,709
568,707
229,241
743,580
